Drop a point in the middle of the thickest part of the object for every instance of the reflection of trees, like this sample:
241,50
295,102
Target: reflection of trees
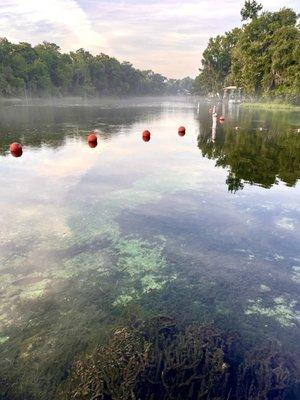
234,183
50,126
254,157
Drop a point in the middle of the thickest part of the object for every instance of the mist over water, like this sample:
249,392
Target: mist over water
202,227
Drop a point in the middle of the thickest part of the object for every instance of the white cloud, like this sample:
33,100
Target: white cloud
52,20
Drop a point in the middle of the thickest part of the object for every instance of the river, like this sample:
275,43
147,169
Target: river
203,227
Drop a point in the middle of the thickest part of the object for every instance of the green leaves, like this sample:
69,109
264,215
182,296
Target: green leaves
250,10
44,70
216,62
263,57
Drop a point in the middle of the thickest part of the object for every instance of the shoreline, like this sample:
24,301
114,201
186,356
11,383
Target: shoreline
272,106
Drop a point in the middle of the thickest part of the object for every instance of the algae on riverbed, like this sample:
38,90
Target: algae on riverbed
157,360
282,311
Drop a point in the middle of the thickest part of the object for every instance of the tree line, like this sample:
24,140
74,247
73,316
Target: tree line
262,57
44,70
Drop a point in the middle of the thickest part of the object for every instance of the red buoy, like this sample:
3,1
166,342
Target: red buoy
146,136
16,149
222,118
181,131
93,144
92,138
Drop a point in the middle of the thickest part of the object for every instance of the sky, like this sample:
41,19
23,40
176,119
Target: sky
167,36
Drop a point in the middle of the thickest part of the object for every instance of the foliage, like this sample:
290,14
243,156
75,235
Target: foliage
250,10
263,57
265,60
157,360
44,70
216,62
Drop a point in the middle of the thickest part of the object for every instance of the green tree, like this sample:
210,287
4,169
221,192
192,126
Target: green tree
44,70
265,59
250,10
216,62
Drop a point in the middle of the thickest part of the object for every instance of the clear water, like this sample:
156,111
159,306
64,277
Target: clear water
204,227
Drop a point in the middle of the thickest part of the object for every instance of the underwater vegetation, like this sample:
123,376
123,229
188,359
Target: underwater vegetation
282,311
158,360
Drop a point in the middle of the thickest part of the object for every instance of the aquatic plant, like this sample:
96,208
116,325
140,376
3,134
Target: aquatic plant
158,360
282,311
267,373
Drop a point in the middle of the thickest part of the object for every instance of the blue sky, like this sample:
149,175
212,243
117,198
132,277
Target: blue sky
167,36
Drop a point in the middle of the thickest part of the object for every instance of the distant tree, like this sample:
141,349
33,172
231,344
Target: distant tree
266,59
57,64
263,57
250,10
44,70
216,62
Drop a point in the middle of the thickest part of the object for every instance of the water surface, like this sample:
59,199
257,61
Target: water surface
204,227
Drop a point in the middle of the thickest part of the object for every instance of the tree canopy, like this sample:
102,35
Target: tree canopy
250,10
263,56
216,62
45,70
